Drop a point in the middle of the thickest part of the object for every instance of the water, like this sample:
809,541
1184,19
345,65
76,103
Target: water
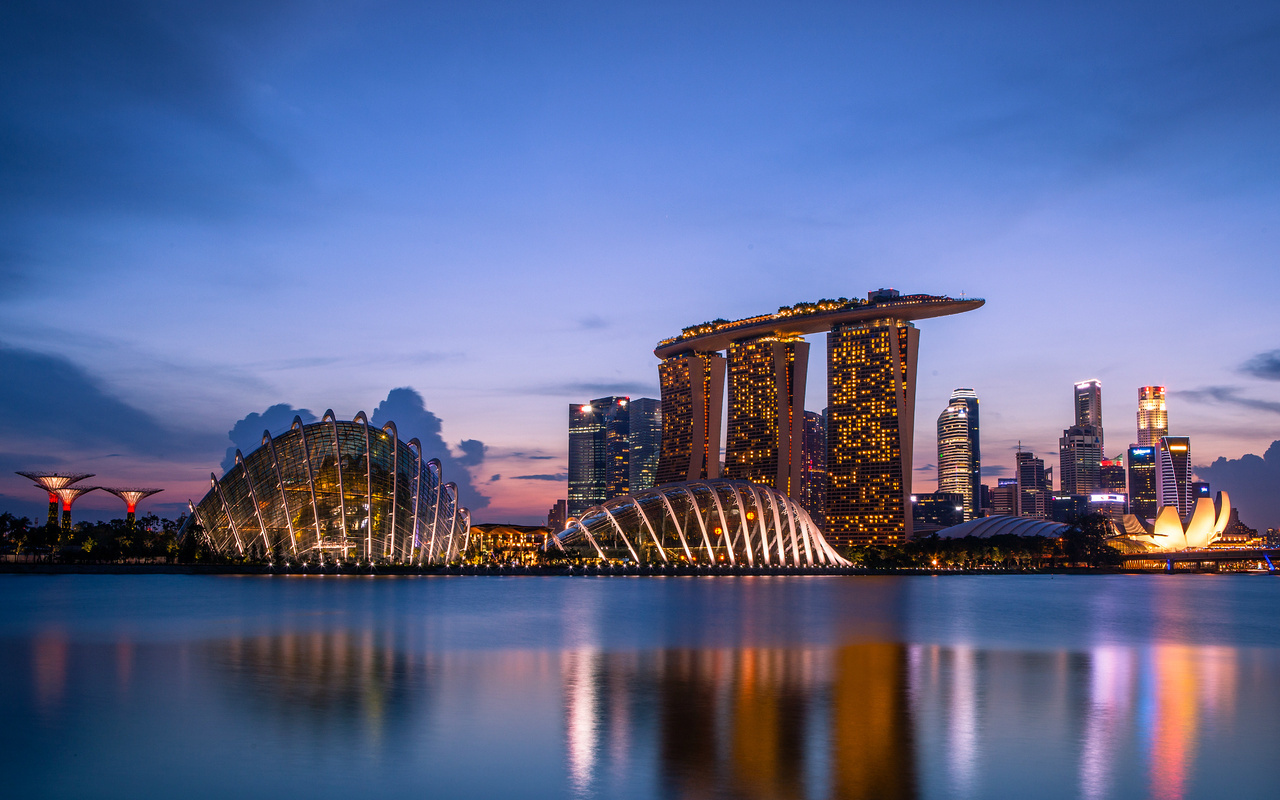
800,687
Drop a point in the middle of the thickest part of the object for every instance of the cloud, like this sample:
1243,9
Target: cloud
1251,481
406,408
593,323
246,435
1227,395
1263,365
994,470
590,391
495,478
560,476
48,399
926,468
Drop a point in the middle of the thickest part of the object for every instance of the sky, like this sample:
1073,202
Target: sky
471,215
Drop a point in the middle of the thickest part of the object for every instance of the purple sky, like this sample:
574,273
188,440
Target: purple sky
210,209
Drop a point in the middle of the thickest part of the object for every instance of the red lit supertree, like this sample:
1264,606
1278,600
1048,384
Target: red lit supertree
131,498
51,482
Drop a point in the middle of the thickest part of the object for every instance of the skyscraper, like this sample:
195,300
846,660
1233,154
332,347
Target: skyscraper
1033,497
1089,403
1111,477
871,388
765,435
813,479
1081,446
1153,418
1142,482
692,399
959,452
1080,459
645,443
598,469
1173,473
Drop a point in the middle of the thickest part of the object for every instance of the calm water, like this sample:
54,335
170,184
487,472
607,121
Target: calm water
803,687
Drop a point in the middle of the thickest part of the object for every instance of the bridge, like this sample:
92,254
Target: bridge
1267,555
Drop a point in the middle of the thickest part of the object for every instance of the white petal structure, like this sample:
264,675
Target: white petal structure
1168,534
342,489
704,522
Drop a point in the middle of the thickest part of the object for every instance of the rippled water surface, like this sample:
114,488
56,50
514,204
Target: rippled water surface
799,687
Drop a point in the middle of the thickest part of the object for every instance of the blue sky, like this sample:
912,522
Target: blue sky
216,208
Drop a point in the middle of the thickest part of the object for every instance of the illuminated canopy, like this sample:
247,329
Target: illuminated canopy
338,488
716,521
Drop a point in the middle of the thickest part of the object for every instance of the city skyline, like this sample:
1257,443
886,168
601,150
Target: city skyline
186,181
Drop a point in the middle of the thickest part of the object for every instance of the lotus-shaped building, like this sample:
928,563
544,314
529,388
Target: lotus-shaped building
704,522
336,490
1169,534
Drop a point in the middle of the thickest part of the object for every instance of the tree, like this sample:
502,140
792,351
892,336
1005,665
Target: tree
1086,542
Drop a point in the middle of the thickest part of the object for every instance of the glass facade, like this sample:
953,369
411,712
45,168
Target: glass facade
645,443
1142,482
336,490
692,395
959,457
871,387
598,452
765,436
813,485
704,522
1153,416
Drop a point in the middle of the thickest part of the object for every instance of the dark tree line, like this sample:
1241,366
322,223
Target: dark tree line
150,539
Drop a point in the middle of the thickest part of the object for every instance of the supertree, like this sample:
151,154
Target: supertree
68,495
51,482
131,498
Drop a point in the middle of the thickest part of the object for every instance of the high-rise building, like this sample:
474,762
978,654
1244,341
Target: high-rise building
959,452
1033,496
645,443
598,468
1198,489
1153,418
1080,459
871,388
558,516
1111,476
813,477
1089,403
692,401
1004,497
1173,473
1142,482
937,510
765,438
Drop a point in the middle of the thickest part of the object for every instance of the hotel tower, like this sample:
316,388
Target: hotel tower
871,386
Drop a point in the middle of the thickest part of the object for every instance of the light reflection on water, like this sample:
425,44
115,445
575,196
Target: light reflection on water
1162,687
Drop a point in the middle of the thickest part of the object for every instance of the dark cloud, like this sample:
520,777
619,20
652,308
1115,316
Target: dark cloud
926,468
561,476
994,470
48,400
406,408
246,435
539,458
592,323
133,104
1227,395
1251,481
495,478
1263,365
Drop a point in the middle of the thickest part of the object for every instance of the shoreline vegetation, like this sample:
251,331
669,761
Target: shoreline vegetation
159,546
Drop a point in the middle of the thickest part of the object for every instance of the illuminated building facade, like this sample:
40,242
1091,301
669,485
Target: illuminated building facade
1088,403
131,498
1111,476
1033,495
1004,497
1153,416
765,438
871,365
51,482
558,515
959,450
692,397
1173,473
709,522
871,391
813,480
599,434
645,443
336,490
1142,481
1080,459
